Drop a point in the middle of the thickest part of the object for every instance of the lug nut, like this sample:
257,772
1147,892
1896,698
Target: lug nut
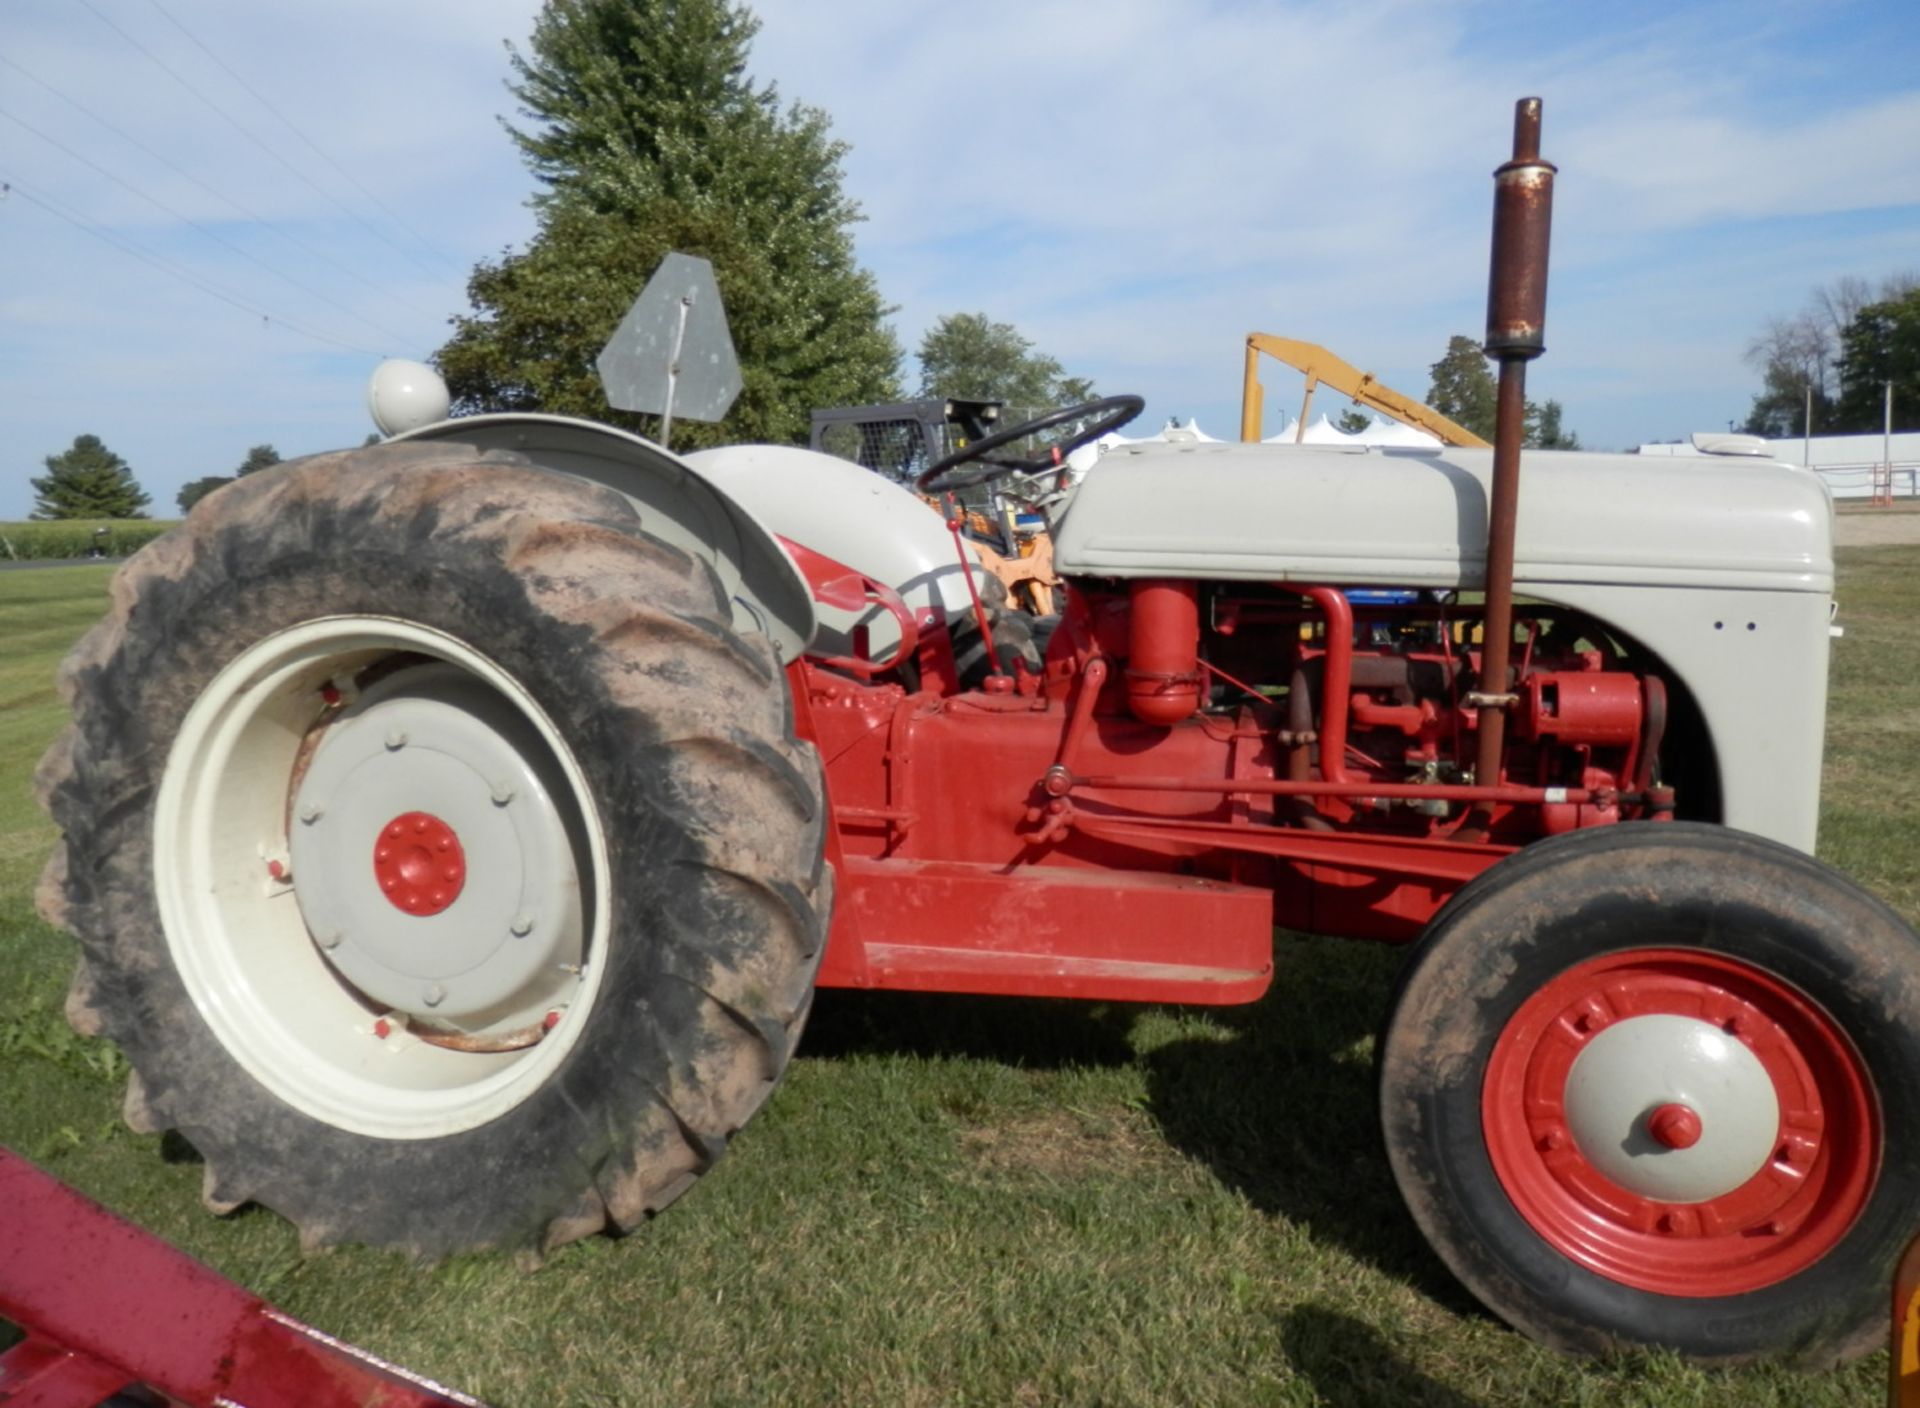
434,995
522,925
329,939
310,813
396,738
502,793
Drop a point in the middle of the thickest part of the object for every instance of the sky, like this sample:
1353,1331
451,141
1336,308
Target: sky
218,215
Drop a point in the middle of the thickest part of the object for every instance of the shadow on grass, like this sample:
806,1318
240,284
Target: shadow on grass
1285,1111
1030,1033
1351,1366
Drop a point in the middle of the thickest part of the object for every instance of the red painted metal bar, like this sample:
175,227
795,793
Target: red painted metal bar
1337,683
1409,791
1092,677
1058,931
966,571
106,1305
1449,862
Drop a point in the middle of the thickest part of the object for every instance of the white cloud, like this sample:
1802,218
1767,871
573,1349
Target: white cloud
1136,184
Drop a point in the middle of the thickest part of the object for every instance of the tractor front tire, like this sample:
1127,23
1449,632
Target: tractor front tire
441,857
1655,1084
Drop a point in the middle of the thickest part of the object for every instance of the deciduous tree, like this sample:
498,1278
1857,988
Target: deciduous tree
258,458
971,355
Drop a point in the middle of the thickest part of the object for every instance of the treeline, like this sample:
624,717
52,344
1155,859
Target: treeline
88,482
1836,356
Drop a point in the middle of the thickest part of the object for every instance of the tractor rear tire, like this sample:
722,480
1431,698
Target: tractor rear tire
557,1039
1653,1084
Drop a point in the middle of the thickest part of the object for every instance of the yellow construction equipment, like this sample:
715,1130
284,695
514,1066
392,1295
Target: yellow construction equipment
1319,365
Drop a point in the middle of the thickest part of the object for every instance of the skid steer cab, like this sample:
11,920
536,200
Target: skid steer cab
496,798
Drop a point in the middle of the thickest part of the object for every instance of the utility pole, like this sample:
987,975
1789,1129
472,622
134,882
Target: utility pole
1886,441
1806,434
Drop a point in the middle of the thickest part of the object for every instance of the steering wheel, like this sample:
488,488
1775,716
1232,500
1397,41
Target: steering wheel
1108,413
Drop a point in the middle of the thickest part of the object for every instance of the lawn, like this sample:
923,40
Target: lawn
957,1200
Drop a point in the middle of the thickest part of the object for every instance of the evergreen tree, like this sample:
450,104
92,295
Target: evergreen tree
970,355
88,481
647,135
1352,421
1463,389
1543,431
1881,345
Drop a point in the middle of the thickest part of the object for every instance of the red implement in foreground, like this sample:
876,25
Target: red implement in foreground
107,1307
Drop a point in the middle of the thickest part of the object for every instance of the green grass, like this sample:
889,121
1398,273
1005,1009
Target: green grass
958,1200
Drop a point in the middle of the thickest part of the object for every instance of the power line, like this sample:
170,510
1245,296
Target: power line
12,186
312,146
215,235
307,249
252,137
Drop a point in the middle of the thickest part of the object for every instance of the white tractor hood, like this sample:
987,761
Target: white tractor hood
1418,518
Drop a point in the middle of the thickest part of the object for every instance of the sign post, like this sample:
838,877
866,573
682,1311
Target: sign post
673,353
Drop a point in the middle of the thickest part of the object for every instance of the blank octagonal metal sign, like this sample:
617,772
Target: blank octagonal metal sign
673,346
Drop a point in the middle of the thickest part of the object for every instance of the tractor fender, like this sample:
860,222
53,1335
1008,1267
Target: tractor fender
676,502
856,517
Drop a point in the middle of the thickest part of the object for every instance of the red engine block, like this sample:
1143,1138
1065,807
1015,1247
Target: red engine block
1193,765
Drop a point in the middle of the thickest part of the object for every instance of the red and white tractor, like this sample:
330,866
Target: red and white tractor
457,830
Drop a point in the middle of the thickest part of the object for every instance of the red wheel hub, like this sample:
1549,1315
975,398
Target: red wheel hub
1779,1221
418,864
1674,1127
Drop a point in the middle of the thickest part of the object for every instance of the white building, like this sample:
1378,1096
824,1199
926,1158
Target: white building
1847,462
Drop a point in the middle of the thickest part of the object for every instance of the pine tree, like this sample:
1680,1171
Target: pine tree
1880,345
1463,390
88,481
647,135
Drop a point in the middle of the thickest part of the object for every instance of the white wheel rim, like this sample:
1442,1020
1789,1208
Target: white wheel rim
240,939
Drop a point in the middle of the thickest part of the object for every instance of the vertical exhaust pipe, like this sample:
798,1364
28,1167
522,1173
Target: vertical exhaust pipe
1516,332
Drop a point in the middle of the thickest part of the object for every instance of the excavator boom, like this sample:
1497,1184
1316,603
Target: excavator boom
1319,365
